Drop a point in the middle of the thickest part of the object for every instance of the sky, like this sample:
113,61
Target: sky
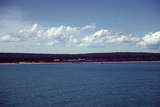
79,26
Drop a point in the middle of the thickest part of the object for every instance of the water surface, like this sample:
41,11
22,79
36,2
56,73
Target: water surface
80,85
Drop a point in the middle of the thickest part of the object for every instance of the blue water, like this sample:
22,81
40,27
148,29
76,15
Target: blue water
80,85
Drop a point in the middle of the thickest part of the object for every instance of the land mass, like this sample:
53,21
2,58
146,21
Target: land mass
79,58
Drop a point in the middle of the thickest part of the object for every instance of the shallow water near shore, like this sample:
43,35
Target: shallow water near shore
80,85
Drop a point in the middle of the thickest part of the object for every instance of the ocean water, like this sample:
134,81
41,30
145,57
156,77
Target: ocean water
80,85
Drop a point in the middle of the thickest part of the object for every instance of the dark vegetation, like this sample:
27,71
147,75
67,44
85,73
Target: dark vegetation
90,57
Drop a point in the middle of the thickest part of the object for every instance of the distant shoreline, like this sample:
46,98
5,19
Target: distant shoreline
109,62
88,58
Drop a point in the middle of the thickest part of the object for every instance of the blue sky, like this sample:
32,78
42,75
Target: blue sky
79,26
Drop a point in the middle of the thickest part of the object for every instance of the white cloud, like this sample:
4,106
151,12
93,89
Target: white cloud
62,35
34,27
89,27
29,29
69,36
151,40
124,39
97,38
102,37
9,38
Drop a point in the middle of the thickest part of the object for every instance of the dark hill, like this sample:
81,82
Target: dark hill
90,57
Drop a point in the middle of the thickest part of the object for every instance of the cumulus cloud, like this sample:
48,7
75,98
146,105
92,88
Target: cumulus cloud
89,27
84,36
102,37
56,35
62,34
150,40
9,38
124,39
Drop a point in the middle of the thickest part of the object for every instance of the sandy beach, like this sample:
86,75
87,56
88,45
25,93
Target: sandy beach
108,62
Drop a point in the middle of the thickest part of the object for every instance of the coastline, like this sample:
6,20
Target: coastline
87,58
107,62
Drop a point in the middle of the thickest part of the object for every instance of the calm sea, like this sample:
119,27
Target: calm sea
80,85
